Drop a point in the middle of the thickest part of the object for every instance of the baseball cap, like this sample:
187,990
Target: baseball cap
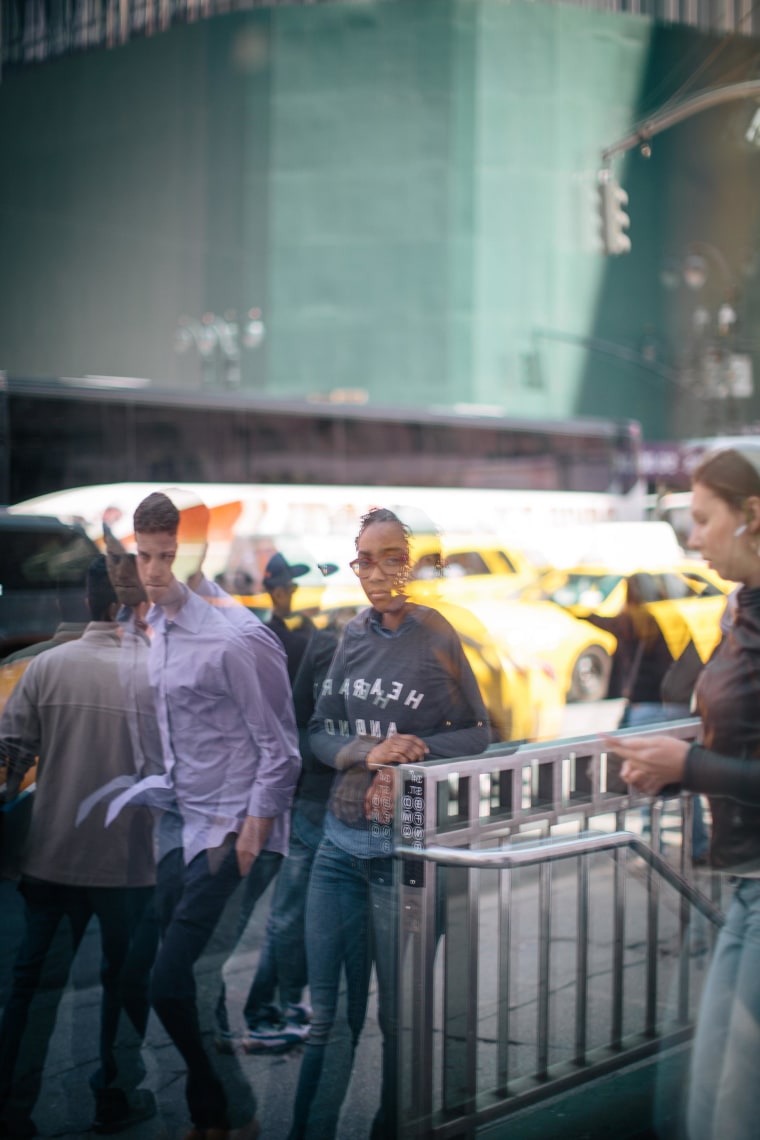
279,572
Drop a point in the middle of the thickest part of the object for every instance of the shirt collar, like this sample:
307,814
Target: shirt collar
376,623
110,629
189,617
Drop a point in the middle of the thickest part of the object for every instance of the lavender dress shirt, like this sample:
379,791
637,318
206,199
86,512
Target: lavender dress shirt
229,741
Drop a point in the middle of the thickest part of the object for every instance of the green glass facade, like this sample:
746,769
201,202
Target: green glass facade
407,191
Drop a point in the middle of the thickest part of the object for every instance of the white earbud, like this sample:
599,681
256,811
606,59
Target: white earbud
740,530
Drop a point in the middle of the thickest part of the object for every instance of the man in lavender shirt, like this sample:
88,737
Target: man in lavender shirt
231,762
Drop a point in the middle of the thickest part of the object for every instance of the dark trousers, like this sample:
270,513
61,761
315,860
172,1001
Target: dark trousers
264,869
208,883
56,917
282,961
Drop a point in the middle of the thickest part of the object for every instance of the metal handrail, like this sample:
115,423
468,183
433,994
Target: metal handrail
531,854
458,821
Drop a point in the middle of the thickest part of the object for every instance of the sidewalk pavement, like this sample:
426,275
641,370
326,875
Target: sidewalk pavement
65,1106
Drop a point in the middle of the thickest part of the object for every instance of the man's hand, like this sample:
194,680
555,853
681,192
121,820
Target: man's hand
651,762
398,749
250,841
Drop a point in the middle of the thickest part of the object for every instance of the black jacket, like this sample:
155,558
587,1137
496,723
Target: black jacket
727,767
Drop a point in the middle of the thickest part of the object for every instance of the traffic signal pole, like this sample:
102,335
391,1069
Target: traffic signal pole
613,199
669,116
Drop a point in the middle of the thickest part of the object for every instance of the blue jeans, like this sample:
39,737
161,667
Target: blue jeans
208,884
351,919
56,919
724,1093
282,961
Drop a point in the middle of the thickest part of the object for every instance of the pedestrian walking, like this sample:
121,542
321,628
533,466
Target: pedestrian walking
231,764
724,1093
273,1027
73,710
293,630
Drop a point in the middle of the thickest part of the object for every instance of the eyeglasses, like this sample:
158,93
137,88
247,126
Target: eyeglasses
390,566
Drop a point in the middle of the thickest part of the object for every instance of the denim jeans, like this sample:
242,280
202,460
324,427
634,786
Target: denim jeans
350,921
282,962
208,884
264,869
56,919
724,1093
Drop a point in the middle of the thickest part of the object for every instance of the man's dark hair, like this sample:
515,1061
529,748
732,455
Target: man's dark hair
100,592
156,515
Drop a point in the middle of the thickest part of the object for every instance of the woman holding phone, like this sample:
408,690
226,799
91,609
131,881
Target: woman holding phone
724,1094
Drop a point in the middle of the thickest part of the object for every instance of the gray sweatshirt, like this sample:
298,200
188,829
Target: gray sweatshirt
415,681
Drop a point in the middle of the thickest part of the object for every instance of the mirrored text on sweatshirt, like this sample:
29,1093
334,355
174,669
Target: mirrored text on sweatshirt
417,682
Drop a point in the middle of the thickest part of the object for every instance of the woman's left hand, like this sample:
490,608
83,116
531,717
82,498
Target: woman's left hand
651,762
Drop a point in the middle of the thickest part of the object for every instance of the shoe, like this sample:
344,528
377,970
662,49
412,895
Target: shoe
298,1013
115,1111
273,1037
224,1041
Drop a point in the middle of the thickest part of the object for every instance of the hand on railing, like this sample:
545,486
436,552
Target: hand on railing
651,762
398,749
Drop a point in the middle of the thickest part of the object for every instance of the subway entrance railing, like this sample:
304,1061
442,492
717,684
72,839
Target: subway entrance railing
542,941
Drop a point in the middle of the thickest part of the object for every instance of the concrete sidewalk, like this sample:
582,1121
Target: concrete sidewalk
65,1106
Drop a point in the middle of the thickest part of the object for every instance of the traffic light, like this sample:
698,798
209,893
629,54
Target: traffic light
615,221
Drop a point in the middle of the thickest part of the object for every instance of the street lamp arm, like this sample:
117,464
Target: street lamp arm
611,348
652,126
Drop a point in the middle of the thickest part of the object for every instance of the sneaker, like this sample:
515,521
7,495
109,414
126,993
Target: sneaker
273,1037
115,1111
298,1013
224,1041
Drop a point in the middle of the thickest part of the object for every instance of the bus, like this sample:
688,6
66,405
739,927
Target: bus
59,434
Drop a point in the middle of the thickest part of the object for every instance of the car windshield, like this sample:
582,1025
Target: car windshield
585,589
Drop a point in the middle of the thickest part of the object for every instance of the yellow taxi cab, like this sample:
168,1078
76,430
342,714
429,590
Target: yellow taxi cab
686,598
492,582
526,660
464,562
601,589
522,695
577,655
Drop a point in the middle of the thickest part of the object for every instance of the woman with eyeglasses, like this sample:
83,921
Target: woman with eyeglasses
399,691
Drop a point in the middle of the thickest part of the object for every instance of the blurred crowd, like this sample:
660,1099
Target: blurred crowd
187,755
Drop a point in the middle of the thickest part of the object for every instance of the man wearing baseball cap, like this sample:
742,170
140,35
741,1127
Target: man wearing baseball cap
293,631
